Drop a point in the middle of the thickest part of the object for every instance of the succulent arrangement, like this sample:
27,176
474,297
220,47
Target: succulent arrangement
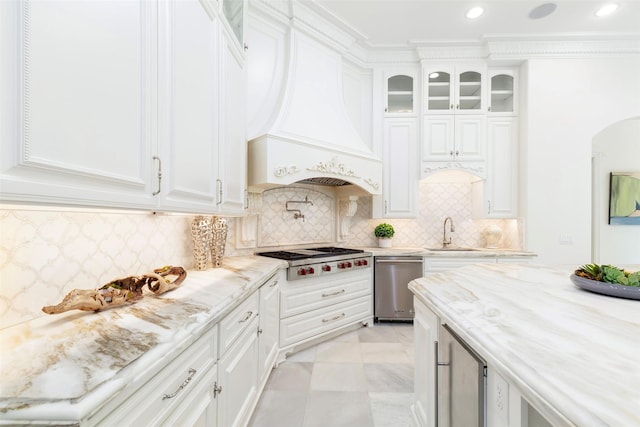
384,230
609,274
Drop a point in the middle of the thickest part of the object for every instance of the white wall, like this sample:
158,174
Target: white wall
616,149
568,102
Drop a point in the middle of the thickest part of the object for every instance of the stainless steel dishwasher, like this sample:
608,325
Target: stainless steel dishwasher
392,298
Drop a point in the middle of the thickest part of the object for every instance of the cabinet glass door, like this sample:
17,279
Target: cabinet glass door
233,12
439,91
400,94
501,94
470,91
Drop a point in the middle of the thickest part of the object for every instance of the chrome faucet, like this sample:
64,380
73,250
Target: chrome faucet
452,228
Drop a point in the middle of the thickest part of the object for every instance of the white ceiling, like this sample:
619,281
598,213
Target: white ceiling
415,22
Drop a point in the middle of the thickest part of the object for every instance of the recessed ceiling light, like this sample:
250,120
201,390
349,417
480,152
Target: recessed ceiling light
542,11
607,9
474,12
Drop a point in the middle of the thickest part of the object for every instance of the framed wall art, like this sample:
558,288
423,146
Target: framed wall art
624,198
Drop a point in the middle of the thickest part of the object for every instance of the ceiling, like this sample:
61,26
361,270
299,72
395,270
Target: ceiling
423,22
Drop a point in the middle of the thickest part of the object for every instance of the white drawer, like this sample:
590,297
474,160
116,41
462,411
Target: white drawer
298,328
156,399
300,298
234,323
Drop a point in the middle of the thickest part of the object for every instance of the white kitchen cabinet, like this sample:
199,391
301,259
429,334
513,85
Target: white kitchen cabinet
188,103
449,138
232,151
310,308
125,116
181,393
400,175
503,92
425,330
454,89
238,364
400,90
497,196
238,375
269,325
79,109
454,142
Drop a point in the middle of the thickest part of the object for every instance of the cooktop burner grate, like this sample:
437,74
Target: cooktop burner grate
298,254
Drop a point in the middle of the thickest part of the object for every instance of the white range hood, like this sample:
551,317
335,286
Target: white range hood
310,137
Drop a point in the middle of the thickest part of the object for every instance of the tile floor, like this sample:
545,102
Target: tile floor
363,378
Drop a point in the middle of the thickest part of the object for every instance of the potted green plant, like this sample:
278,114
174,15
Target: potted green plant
384,232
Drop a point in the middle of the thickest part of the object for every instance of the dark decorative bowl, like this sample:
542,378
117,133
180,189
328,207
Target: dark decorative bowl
604,288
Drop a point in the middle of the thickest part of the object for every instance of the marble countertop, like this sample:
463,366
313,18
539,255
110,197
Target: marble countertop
72,363
475,253
572,354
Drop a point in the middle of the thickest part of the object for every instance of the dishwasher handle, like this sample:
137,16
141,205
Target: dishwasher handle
399,261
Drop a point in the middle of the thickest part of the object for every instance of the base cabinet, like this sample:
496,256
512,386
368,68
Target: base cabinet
268,329
238,372
181,393
425,330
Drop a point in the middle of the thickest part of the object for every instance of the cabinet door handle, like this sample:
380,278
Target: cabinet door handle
386,207
457,153
216,389
457,106
488,206
451,153
186,382
339,316
249,314
155,193
245,46
219,185
341,291
451,107
386,110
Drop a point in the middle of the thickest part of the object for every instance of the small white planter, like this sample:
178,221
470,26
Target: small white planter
384,242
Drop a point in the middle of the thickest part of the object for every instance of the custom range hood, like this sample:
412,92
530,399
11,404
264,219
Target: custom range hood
305,134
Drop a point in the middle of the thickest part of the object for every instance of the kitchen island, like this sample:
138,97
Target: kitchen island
553,352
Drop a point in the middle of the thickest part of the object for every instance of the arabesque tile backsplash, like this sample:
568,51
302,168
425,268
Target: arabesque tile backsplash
46,253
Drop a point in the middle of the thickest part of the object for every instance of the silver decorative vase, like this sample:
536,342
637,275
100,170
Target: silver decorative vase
220,228
202,235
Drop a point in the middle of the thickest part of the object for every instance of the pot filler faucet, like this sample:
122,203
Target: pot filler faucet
452,228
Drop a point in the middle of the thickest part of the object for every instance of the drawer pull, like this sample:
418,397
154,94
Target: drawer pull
186,382
275,282
247,317
339,316
341,291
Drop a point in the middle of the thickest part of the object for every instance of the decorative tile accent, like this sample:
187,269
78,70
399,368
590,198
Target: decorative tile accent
278,227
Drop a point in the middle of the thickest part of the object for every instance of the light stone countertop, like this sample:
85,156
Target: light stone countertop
424,252
66,366
572,354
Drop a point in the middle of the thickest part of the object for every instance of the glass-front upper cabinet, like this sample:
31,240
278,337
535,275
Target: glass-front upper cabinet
454,89
233,11
439,91
400,91
469,91
502,92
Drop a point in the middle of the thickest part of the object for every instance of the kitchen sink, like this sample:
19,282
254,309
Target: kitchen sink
452,249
